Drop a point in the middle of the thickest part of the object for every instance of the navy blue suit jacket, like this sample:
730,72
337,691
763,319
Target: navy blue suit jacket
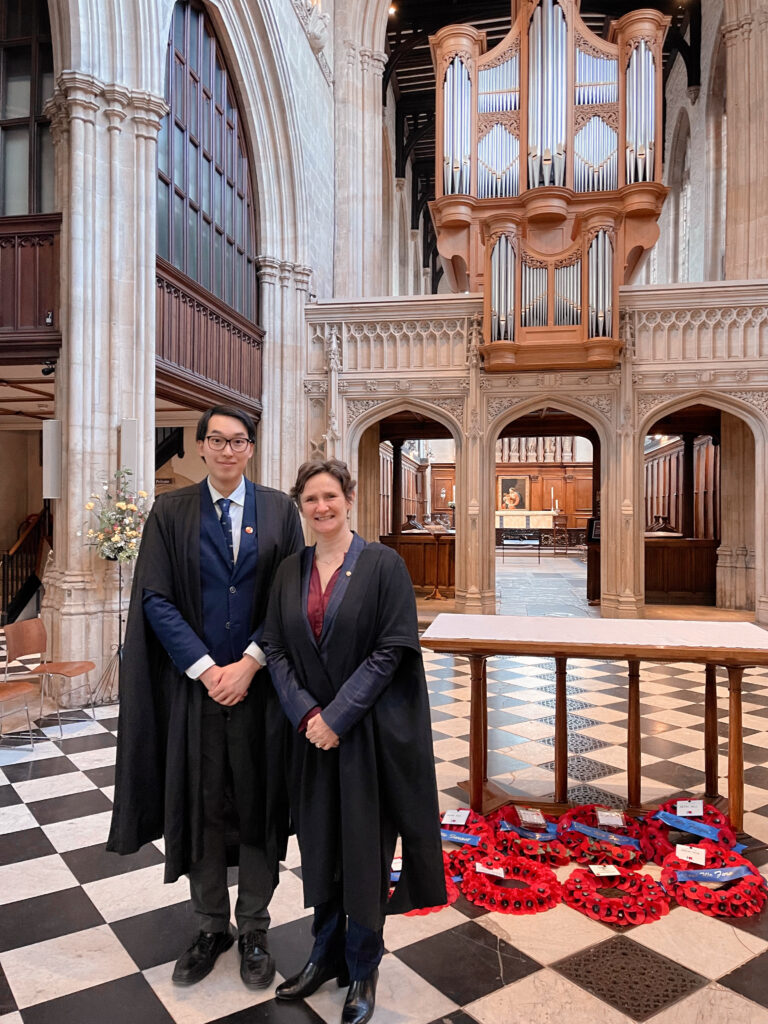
227,593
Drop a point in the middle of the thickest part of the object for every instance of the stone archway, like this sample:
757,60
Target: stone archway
741,573
362,452
550,419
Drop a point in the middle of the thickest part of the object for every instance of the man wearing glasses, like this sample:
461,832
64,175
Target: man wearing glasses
200,731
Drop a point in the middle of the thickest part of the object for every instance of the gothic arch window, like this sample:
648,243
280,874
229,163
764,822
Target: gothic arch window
26,83
680,197
205,216
716,167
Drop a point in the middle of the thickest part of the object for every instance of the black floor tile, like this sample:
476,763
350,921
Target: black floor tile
499,719
159,936
8,796
125,1001
92,862
46,917
652,727
75,805
467,962
7,1002
470,910
672,774
24,845
102,777
290,944
273,1012
42,768
756,776
109,723
750,980
78,744
658,747
632,978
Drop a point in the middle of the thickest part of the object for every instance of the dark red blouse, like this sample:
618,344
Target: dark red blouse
317,602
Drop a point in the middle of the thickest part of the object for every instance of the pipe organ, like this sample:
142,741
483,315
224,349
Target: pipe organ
535,204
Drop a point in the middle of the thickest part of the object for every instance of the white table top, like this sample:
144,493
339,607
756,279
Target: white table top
648,639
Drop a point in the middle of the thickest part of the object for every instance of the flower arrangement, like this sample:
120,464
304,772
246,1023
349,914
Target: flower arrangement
121,516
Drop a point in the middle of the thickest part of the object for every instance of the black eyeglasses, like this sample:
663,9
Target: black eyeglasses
219,443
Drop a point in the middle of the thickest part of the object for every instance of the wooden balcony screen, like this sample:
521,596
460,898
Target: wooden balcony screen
29,271
206,352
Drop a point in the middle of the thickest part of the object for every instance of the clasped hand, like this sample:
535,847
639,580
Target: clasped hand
229,684
320,734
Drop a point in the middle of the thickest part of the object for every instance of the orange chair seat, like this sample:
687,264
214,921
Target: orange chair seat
63,668
19,689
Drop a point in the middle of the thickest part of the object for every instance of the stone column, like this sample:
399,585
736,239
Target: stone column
105,139
745,31
621,510
475,572
372,65
282,443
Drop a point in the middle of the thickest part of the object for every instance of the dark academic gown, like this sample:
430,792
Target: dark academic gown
158,785
350,804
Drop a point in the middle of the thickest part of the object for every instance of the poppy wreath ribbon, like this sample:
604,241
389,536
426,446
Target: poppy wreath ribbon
638,898
542,890
590,844
744,897
512,837
712,825
474,838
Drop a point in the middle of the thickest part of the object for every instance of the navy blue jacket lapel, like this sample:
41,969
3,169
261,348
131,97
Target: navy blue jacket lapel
249,545
340,587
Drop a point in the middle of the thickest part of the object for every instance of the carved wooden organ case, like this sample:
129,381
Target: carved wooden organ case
548,177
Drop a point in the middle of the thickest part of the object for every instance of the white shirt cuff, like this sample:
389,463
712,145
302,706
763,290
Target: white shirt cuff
256,653
196,670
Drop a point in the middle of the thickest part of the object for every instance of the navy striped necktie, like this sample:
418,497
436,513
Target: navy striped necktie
226,525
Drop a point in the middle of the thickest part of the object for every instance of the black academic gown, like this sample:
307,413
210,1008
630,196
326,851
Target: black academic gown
158,785
350,804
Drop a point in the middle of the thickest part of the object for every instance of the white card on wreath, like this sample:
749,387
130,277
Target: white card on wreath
459,816
481,869
694,854
531,816
610,819
604,870
690,808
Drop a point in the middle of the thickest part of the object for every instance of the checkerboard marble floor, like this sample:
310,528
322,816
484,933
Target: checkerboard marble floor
87,937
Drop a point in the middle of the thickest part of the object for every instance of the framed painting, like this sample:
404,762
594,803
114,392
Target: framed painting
513,492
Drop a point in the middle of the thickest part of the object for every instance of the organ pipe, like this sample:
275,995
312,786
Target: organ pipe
503,291
457,97
547,42
600,271
640,114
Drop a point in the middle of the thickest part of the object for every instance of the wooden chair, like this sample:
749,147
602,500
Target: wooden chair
560,533
11,691
29,637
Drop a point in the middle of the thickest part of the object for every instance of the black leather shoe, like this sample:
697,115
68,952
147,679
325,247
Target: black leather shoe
361,1001
197,962
310,978
257,968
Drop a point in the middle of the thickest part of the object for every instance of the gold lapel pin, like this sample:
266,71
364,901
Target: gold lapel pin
249,529
348,573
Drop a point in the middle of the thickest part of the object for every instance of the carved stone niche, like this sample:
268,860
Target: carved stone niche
548,235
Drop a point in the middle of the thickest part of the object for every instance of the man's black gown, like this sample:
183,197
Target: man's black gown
350,804
158,781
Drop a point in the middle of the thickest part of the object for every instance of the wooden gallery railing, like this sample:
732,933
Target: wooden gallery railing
29,296
206,352
21,566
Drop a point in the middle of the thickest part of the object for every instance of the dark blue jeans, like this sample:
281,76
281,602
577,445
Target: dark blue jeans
337,938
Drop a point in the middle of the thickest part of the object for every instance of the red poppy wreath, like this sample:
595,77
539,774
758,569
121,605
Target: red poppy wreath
636,898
